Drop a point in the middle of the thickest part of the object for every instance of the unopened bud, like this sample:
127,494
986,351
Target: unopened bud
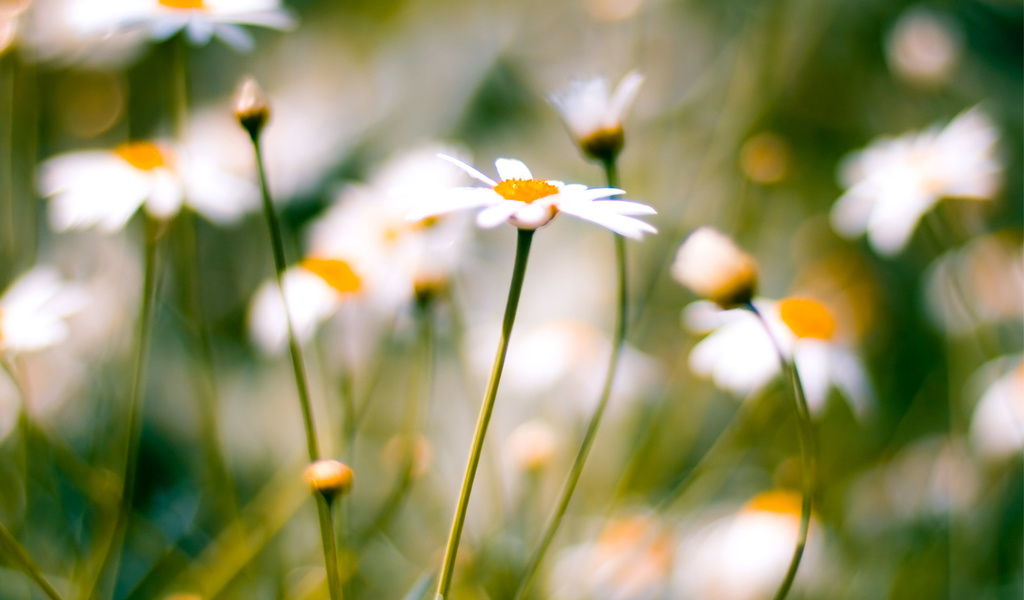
329,478
251,107
711,265
532,446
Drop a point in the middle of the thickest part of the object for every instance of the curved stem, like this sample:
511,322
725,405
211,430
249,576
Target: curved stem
551,528
301,382
808,455
515,288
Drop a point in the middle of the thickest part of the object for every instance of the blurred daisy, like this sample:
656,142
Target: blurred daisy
997,426
594,115
630,560
202,20
981,283
738,355
104,188
924,47
892,183
34,309
530,203
744,556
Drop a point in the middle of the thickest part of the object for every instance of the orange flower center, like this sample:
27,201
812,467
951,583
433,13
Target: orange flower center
525,190
807,318
337,273
783,502
142,155
183,4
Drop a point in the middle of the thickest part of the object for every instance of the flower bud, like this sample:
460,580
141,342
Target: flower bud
330,478
532,446
251,107
711,265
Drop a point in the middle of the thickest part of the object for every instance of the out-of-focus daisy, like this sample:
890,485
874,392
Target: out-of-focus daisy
10,21
202,20
530,203
531,446
594,115
981,283
78,32
893,182
104,188
711,265
997,427
34,309
739,356
744,556
630,560
924,47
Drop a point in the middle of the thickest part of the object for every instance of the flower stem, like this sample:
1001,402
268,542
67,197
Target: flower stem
515,288
24,562
301,382
808,455
576,471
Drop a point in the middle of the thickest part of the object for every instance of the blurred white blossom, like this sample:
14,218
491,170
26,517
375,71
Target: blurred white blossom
893,182
997,425
738,355
104,188
924,47
594,114
34,309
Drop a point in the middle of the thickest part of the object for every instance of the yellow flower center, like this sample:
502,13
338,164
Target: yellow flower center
142,155
183,4
337,273
783,502
525,190
807,318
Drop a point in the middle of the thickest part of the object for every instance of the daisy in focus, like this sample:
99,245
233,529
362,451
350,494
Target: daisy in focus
34,309
201,20
529,203
738,356
104,188
891,184
594,115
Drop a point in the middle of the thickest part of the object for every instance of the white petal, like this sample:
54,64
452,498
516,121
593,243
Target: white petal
510,168
623,225
625,94
234,36
498,214
472,172
624,207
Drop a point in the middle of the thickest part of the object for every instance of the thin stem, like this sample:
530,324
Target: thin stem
323,509
134,420
808,455
595,420
20,557
523,242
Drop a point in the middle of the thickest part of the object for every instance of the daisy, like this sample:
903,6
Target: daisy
33,311
104,188
712,266
738,355
201,20
530,203
594,115
894,182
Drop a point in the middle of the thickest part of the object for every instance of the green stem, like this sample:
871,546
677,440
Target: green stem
595,420
515,288
17,554
808,455
131,453
312,446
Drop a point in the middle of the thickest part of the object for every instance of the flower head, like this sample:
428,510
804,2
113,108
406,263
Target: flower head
529,203
892,183
594,115
329,478
202,20
33,311
104,188
713,266
251,108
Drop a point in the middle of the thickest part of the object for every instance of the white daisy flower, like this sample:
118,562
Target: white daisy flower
530,203
895,181
104,188
33,311
594,115
738,355
202,20
744,555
